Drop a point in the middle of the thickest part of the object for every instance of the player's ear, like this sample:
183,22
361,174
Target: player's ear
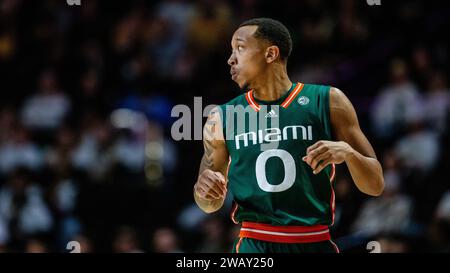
272,53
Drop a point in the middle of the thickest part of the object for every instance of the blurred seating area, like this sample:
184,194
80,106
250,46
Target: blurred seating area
86,152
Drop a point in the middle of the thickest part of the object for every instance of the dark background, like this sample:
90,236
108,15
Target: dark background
86,152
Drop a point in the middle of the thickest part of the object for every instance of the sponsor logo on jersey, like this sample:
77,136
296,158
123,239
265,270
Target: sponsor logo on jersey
271,114
303,100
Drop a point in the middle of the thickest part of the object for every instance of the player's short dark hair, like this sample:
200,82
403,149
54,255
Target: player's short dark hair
274,32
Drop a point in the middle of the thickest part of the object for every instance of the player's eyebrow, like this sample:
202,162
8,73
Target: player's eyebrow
237,39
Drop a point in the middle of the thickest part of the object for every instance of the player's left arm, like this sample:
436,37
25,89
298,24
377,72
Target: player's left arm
351,147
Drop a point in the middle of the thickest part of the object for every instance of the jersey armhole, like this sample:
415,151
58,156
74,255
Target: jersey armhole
327,115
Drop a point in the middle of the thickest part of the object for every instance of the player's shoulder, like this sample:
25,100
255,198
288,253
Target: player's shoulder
337,96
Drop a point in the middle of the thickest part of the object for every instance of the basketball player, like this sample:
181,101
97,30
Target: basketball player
283,196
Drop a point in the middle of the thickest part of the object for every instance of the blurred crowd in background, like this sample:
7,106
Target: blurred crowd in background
86,95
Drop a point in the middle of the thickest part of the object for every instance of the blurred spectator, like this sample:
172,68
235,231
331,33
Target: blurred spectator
179,12
390,212
129,150
157,108
160,154
167,35
7,45
191,217
46,109
22,208
421,65
88,98
350,25
8,122
393,244
397,104
209,26
439,229
85,243
60,153
419,148
443,209
176,59
19,150
437,102
438,236
214,236
165,241
63,195
347,204
93,152
4,233
35,246
126,241
127,31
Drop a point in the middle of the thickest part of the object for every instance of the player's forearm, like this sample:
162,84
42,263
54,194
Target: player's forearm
208,206
366,172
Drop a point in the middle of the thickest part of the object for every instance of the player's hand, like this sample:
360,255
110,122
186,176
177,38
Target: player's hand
211,185
322,153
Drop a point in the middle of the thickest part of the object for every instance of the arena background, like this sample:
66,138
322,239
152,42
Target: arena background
86,152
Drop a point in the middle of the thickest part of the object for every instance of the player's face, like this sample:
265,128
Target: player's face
247,57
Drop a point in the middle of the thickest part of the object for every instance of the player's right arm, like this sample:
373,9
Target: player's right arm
211,186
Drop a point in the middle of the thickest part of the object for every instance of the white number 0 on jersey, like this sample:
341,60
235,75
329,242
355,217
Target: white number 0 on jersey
289,170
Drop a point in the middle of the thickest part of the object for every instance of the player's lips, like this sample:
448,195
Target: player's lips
233,74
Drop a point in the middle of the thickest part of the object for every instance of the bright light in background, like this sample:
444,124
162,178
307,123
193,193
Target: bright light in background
128,119
153,147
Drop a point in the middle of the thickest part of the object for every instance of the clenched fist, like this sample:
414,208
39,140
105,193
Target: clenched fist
211,185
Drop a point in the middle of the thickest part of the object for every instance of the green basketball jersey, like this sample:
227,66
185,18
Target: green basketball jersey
266,142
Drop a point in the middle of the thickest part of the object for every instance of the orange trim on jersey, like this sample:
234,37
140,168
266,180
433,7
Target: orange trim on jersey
238,245
293,94
285,234
233,212
333,172
332,205
332,199
251,101
235,205
228,167
336,248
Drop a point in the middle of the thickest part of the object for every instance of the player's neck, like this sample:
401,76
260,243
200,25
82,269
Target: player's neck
272,86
